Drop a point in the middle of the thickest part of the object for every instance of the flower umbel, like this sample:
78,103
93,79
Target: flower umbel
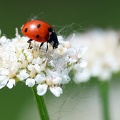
46,70
103,54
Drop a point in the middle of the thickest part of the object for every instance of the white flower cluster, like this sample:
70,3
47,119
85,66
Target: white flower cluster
45,70
103,55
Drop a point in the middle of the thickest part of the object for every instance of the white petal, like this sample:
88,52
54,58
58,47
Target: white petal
50,73
82,51
4,72
21,57
78,68
57,80
29,58
3,81
51,63
83,63
43,66
42,89
24,64
30,82
37,68
40,78
23,75
65,78
11,83
15,67
37,61
82,77
71,52
57,91
72,60
30,67
3,39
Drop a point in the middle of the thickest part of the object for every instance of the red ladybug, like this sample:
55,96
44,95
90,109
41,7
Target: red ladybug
40,31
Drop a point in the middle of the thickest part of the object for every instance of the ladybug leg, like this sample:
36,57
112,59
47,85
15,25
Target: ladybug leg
41,45
47,47
29,41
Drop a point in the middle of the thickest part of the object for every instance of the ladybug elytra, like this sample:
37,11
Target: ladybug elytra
40,31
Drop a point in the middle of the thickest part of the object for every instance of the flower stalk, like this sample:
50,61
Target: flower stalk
104,95
42,109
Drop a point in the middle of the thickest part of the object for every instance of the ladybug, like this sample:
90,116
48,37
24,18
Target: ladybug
40,31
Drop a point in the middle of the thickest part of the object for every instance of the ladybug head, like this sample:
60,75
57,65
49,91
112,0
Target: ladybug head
53,40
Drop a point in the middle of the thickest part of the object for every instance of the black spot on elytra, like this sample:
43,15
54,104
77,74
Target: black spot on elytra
37,36
26,29
38,25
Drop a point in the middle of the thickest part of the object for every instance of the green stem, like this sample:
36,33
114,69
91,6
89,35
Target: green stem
104,95
41,106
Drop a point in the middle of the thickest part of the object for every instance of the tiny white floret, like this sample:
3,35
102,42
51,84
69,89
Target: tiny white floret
57,91
30,82
11,83
42,89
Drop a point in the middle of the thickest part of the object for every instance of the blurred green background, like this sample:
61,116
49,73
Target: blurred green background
84,15
87,14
